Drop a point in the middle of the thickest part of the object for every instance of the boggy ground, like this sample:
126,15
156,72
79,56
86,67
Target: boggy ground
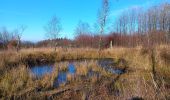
138,81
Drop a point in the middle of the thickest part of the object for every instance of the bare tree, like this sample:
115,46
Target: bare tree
83,31
53,28
82,28
5,36
95,29
18,34
164,20
102,18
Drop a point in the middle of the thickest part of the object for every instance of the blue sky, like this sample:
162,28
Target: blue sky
36,13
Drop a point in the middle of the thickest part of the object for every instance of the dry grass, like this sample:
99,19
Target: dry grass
34,56
137,82
15,80
71,77
18,80
62,66
82,68
47,82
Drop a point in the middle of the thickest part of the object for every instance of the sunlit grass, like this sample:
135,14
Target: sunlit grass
138,81
82,68
62,66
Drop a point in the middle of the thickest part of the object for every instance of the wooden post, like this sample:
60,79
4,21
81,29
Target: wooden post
111,44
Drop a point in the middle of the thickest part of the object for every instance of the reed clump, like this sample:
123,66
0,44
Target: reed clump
62,66
82,69
15,80
47,82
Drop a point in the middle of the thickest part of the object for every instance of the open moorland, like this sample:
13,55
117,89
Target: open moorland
90,80
123,54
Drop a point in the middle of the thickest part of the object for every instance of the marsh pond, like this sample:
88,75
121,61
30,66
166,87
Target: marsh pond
75,68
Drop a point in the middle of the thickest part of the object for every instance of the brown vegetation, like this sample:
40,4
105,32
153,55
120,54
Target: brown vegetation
136,82
140,47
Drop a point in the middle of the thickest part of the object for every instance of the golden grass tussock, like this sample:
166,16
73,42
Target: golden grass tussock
47,81
62,66
15,80
19,79
71,77
93,65
82,68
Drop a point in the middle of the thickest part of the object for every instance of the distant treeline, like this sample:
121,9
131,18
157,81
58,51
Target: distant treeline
132,28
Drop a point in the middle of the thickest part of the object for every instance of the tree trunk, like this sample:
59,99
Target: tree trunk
18,44
55,46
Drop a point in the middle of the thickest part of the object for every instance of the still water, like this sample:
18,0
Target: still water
41,70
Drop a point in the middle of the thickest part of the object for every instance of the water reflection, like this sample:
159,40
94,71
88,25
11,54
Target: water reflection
71,68
62,76
40,71
61,79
